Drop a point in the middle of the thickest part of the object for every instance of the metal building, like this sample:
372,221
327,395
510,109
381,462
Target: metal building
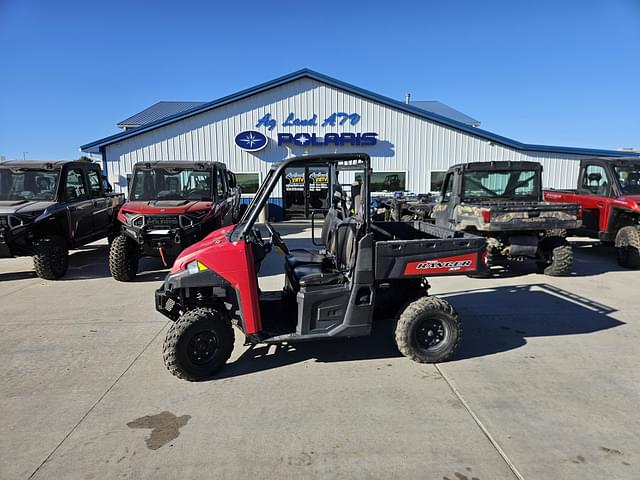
306,112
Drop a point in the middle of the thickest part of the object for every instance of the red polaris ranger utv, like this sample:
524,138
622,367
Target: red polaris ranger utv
328,293
608,190
171,206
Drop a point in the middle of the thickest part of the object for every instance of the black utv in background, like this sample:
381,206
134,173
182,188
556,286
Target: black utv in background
47,208
502,201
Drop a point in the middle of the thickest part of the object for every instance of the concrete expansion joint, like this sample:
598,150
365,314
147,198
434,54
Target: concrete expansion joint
480,425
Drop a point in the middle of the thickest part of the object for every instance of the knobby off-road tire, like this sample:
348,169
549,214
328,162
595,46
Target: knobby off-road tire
123,258
51,257
428,330
628,246
559,256
198,344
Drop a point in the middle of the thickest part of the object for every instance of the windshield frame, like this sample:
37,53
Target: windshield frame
18,170
275,175
533,174
172,170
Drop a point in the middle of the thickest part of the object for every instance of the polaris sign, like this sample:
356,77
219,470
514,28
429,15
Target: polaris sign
338,139
251,141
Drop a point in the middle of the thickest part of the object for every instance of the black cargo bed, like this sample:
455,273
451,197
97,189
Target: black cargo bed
419,248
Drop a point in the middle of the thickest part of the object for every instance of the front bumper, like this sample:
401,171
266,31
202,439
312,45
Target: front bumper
168,304
171,240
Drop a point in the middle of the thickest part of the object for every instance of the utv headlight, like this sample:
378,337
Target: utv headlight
196,266
133,219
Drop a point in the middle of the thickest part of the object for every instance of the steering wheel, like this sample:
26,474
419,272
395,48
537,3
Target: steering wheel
276,239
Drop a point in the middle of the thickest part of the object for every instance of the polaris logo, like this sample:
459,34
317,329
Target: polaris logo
366,139
251,141
435,264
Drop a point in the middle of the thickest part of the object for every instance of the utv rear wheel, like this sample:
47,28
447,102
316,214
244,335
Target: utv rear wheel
123,258
51,257
428,330
198,344
557,257
628,247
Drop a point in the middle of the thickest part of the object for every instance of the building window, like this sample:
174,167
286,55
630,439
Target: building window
386,181
248,182
437,178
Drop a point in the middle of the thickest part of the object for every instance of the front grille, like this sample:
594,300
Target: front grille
170,221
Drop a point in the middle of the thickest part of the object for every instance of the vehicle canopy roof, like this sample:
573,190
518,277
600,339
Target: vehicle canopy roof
501,165
613,160
41,164
200,165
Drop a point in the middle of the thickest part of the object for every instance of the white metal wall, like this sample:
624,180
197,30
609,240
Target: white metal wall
405,142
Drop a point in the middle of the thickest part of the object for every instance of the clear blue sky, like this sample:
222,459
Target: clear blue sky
540,71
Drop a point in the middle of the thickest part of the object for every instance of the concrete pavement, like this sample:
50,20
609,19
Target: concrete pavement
546,385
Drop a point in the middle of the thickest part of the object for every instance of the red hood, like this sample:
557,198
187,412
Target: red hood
215,242
169,207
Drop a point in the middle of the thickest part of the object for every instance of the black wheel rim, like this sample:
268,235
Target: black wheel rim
430,333
202,347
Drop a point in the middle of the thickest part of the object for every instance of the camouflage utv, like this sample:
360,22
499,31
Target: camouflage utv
502,201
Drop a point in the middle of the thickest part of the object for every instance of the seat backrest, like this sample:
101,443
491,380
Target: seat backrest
329,219
347,233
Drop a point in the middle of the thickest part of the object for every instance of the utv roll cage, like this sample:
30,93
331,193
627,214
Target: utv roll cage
349,161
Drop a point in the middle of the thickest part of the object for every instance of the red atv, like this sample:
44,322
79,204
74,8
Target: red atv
171,205
328,293
608,191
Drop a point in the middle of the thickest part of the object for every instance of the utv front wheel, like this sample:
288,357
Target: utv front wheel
51,257
628,247
428,330
198,344
557,257
123,258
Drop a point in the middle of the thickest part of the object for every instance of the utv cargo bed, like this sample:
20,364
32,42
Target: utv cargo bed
505,216
422,249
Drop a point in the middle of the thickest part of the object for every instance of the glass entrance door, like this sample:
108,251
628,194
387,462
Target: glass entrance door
305,190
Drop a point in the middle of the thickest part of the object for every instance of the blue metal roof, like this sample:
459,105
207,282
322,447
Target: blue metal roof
157,112
390,102
440,108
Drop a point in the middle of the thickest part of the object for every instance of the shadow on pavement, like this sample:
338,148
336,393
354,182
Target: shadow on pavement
494,319
594,258
589,259
12,276
502,318
94,263
263,357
